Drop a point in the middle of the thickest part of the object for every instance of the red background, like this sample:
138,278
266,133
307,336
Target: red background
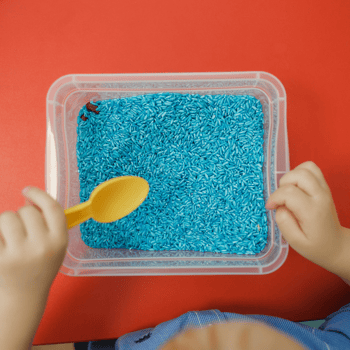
303,43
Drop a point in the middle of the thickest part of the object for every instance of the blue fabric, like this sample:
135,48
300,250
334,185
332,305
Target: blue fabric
333,334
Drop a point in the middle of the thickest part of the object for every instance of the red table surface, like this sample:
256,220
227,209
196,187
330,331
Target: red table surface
303,43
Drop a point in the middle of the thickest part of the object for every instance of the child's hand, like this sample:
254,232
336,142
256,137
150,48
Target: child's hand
306,215
33,245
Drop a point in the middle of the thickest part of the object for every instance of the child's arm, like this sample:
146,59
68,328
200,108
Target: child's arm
65,346
19,319
33,245
343,270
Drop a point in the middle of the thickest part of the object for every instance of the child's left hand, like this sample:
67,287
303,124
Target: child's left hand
33,244
232,335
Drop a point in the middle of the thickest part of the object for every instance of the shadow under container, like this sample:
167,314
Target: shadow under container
65,98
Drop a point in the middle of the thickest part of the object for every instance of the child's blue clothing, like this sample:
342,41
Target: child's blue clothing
333,334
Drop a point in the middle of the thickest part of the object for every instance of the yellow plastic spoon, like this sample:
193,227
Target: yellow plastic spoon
110,201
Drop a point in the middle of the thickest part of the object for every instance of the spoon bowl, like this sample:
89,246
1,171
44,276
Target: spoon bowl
110,201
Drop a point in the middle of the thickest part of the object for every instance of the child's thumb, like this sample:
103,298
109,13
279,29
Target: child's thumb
289,227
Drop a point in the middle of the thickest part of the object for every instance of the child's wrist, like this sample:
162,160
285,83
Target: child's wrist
342,265
20,317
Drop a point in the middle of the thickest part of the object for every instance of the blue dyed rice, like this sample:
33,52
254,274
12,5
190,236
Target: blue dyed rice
202,156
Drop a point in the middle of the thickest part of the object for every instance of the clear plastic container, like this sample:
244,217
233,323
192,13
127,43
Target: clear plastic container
66,97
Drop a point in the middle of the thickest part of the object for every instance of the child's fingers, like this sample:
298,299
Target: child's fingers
52,212
296,204
301,177
28,202
289,227
316,171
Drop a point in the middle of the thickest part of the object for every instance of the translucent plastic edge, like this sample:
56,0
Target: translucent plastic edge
69,78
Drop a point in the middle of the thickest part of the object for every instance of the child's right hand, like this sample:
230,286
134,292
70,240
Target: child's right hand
306,216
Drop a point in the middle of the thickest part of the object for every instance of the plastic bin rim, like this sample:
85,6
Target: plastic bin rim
56,85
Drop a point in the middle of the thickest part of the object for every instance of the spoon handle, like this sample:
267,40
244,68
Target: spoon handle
78,214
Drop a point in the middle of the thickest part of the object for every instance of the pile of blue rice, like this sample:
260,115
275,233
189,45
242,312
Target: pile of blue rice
202,156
